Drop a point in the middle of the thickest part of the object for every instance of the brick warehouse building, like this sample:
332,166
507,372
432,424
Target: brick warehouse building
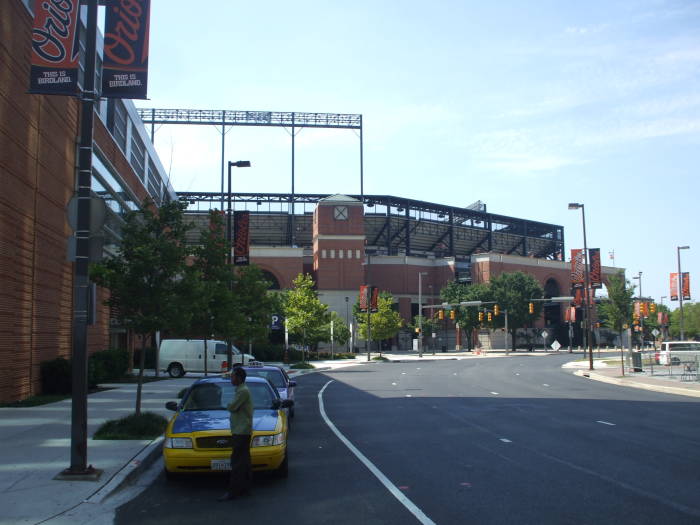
38,143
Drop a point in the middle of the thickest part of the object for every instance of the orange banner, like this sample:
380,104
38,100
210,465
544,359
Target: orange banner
55,47
686,286
577,268
674,287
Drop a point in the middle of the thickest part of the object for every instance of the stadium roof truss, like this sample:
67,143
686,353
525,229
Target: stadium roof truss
393,225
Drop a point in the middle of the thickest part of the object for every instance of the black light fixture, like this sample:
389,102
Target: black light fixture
399,209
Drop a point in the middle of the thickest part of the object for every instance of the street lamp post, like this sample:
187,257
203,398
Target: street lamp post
641,313
663,325
420,313
586,284
231,164
680,286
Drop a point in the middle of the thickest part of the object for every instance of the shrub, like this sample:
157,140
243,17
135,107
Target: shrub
148,425
302,366
150,358
56,376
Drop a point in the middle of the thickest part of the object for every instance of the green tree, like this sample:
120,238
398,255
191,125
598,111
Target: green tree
691,321
145,278
384,324
305,313
253,306
512,292
466,316
615,311
341,331
208,284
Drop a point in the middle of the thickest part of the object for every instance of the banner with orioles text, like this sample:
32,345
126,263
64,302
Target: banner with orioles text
55,48
125,65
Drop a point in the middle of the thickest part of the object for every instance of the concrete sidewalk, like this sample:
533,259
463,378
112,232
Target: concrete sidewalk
35,442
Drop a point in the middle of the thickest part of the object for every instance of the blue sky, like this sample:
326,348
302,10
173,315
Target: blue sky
524,105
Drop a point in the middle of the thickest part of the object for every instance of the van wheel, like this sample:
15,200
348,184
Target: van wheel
175,370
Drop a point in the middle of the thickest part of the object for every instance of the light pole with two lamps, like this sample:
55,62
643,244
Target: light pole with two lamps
586,284
229,245
680,286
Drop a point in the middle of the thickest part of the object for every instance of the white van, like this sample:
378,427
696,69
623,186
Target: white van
675,352
179,356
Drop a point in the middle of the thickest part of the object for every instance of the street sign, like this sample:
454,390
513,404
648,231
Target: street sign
555,345
544,334
655,332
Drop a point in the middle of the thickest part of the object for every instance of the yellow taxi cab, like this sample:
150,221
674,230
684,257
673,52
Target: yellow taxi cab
198,437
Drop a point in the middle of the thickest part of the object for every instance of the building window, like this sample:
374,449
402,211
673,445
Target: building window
138,155
153,182
332,254
349,254
340,213
323,254
357,254
341,254
116,121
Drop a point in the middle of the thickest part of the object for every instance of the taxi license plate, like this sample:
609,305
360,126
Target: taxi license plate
221,464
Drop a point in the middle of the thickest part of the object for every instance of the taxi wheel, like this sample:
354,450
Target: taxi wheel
175,370
283,470
171,476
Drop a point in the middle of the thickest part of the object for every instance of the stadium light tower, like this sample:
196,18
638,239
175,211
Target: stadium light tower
586,284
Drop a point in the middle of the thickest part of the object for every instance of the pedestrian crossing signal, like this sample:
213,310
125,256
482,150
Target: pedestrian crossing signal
489,317
496,309
531,308
481,316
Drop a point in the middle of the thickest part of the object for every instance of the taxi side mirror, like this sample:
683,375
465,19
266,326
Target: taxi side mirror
287,403
292,384
171,405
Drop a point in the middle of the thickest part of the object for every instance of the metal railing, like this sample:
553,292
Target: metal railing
680,366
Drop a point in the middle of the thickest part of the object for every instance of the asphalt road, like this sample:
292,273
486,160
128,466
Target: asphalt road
508,440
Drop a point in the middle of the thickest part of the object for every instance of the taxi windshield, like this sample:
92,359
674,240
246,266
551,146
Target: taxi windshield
273,376
216,396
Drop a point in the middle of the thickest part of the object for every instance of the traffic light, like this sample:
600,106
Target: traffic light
481,316
496,309
417,330
652,308
452,314
441,314
531,308
489,317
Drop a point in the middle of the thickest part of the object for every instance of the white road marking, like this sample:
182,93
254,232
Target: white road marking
506,440
606,423
517,374
412,508
403,373
545,384
409,395
393,384
495,393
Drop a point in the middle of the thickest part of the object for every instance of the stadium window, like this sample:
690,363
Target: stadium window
323,254
138,155
349,254
332,254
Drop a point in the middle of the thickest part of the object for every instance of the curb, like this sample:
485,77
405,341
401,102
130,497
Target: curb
138,464
644,386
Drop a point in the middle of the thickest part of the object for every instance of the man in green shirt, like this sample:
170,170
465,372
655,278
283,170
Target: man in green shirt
241,418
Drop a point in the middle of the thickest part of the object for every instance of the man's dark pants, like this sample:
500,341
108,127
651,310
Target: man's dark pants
240,464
